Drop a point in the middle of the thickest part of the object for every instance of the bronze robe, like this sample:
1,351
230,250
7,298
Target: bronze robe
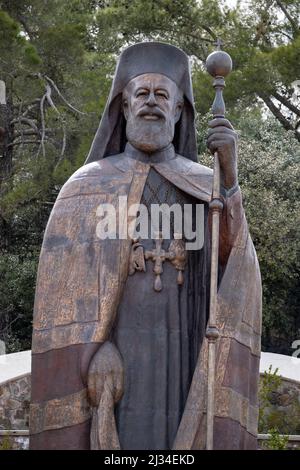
159,334
79,287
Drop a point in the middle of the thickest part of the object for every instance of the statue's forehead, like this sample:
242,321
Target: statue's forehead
151,79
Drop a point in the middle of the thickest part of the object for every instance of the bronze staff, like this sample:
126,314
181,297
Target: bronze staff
218,65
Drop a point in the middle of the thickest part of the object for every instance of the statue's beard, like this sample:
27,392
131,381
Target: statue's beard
147,135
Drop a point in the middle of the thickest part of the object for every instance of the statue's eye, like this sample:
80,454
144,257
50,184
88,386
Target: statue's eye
162,94
142,93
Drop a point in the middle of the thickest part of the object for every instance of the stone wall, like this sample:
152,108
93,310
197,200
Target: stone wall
284,409
14,403
293,442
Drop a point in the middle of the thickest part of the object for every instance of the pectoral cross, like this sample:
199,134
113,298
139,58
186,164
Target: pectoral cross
176,254
158,256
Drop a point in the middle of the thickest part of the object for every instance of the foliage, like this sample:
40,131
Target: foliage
270,382
6,443
276,441
269,175
278,421
18,275
262,38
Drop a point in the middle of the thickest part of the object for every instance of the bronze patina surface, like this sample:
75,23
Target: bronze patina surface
107,329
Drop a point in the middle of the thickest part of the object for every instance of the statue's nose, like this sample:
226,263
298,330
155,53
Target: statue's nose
151,100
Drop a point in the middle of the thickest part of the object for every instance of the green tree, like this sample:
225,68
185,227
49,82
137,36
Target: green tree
56,87
262,39
269,175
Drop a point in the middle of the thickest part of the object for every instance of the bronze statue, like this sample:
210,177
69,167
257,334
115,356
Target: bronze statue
119,353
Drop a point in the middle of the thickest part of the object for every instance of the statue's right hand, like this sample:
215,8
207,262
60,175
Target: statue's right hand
105,370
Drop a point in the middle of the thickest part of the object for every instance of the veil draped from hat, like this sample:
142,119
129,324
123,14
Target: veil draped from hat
147,57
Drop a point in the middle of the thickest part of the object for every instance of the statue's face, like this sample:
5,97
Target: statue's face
152,105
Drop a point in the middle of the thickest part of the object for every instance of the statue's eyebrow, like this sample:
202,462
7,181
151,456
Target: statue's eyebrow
147,89
142,88
163,90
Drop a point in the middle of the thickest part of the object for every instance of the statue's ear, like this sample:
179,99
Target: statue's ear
125,108
178,110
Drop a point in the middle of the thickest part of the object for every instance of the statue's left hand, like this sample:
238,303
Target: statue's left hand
223,139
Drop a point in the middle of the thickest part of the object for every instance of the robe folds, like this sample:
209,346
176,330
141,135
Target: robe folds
80,284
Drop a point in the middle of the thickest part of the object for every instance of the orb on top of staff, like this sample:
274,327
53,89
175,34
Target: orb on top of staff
219,63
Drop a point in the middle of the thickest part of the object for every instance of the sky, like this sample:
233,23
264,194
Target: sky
231,3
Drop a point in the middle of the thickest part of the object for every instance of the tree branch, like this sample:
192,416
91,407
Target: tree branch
27,103
276,112
42,142
286,103
63,98
11,323
27,30
25,142
50,101
293,23
27,121
21,133
286,35
209,31
29,132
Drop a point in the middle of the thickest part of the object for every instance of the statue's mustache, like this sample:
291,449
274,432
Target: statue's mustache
147,111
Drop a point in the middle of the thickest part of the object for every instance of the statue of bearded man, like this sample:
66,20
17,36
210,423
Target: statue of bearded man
119,354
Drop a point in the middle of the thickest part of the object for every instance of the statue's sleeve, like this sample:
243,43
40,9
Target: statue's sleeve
239,306
230,222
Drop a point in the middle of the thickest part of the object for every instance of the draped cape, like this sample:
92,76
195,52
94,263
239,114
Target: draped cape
79,285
